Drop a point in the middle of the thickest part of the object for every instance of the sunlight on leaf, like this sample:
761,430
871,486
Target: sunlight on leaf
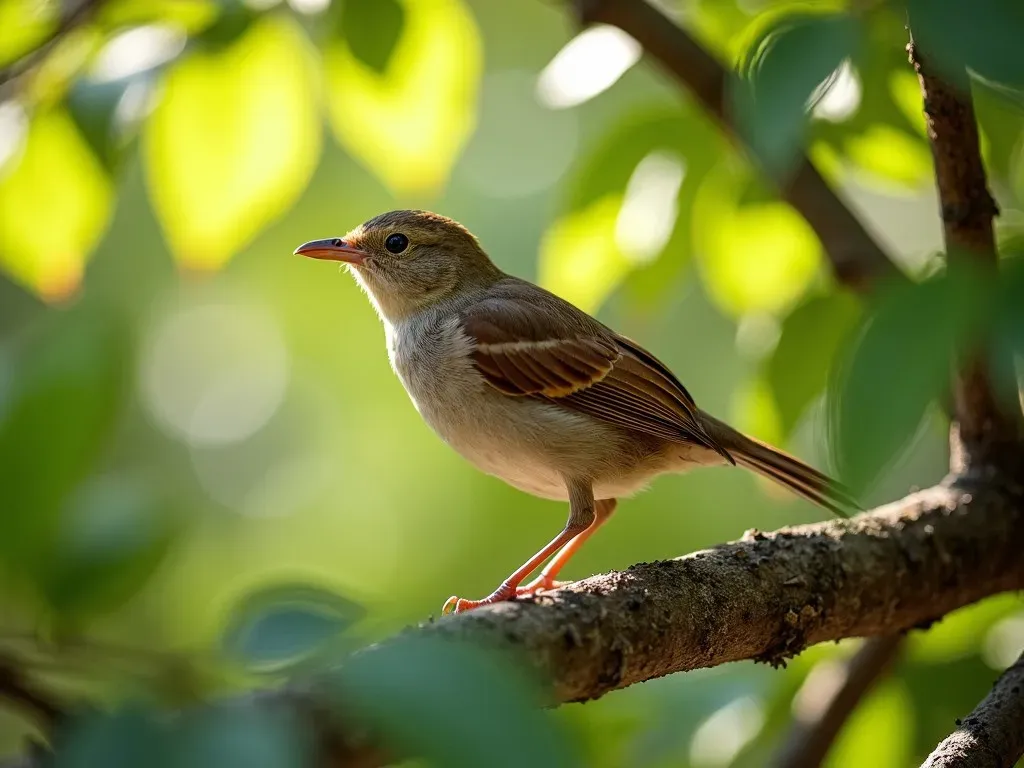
23,25
455,704
879,733
891,154
409,124
759,256
224,157
579,258
55,202
754,411
960,633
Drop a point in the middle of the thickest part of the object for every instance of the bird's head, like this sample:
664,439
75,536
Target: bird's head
407,261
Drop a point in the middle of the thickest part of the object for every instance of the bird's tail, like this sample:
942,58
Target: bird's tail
783,468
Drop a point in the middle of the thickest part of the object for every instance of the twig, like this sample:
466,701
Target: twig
992,736
15,689
967,213
857,259
72,19
831,693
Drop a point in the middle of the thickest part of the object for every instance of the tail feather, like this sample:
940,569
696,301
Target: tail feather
784,469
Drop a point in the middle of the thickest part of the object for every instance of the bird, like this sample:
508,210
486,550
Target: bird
533,390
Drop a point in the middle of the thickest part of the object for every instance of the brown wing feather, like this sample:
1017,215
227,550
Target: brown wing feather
530,343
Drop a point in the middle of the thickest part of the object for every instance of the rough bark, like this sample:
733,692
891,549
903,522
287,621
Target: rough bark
967,215
992,736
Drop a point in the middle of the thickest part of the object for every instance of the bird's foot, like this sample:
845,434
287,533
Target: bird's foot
541,584
460,604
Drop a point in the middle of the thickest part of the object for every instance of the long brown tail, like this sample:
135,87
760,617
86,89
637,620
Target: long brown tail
783,468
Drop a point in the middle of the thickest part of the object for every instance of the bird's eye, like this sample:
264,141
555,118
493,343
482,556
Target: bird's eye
396,243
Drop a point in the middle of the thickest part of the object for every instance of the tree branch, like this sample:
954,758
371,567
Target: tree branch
992,736
830,694
78,13
857,260
967,213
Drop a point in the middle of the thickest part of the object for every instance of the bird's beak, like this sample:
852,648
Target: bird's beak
334,249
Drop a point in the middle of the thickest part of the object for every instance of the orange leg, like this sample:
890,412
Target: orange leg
581,518
546,580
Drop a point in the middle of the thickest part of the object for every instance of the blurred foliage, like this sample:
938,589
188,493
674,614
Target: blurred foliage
213,482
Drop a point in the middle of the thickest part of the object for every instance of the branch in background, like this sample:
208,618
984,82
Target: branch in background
829,696
967,213
858,261
78,13
19,692
992,736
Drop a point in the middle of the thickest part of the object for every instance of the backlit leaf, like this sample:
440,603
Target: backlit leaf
879,733
372,29
23,25
579,258
785,68
233,142
409,123
55,202
755,255
812,334
454,704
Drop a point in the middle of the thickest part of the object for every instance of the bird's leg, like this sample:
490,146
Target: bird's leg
603,510
581,517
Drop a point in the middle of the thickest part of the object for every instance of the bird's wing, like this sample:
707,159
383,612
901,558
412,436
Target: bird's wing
529,343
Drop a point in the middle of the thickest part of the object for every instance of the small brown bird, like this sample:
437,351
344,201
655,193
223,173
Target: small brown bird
532,389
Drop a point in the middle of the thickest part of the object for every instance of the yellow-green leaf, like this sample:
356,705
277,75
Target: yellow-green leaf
24,24
579,258
55,202
233,142
755,256
409,123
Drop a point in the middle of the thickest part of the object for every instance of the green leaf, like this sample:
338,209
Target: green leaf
55,202
113,536
786,67
982,35
248,735
228,27
24,24
755,254
900,363
579,257
279,627
409,124
811,336
879,733
225,158
128,737
372,29
68,383
454,704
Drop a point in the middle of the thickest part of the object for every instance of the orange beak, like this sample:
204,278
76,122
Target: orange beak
333,249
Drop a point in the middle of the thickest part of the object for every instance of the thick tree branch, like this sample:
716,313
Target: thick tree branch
992,736
858,261
967,213
829,696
